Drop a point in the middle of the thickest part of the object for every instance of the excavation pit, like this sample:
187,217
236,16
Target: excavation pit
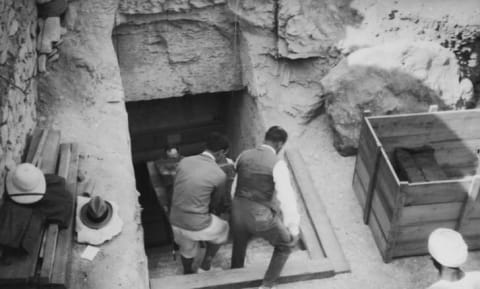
184,122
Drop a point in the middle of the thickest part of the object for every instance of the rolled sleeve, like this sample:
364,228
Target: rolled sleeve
286,197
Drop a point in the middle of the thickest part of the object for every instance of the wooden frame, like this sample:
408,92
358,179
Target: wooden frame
323,257
48,265
400,214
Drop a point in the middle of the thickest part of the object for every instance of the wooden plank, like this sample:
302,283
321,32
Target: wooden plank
437,125
436,192
316,211
36,159
371,186
378,235
50,152
307,232
46,269
49,254
61,266
377,207
385,198
250,276
470,201
33,144
430,213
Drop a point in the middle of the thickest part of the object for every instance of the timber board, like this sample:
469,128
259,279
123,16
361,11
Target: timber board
377,207
246,277
437,125
447,191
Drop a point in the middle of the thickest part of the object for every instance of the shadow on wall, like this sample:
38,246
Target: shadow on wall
356,89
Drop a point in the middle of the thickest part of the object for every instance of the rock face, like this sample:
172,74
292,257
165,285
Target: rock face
388,79
312,28
167,55
18,87
163,6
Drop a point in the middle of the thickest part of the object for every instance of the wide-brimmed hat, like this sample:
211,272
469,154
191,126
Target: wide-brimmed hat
96,236
96,213
447,247
26,184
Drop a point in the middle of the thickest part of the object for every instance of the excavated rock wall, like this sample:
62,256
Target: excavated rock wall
288,47
173,48
18,87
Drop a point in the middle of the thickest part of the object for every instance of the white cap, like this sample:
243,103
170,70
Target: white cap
447,247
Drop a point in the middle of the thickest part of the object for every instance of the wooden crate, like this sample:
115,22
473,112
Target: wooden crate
400,214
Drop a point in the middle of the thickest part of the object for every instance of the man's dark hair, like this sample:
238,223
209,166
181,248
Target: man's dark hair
276,134
216,142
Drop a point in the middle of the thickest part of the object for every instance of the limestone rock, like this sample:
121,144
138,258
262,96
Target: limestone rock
163,6
193,54
387,79
310,28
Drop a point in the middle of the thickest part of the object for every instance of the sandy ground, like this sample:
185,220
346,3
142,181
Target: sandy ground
333,174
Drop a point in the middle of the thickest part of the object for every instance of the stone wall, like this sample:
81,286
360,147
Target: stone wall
244,124
18,87
185,47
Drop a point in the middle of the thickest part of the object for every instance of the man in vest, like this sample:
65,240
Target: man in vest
264,204
449,251
198,189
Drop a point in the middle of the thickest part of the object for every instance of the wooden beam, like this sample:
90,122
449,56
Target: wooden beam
51,236
36,157
46,269
470,201
294,270
316,211
63,256
49,156
371,187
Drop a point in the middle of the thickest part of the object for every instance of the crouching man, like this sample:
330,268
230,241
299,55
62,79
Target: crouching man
264,204
197,191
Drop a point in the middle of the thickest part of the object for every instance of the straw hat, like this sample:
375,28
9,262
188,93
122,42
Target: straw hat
447,247
26,184
96,213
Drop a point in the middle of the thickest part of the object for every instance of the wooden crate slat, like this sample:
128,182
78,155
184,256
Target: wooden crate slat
471,200
50,152
378,207
438,126
246,277
436,192
61,266
316,211
430,213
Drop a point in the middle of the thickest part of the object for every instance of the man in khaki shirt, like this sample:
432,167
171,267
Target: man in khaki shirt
198,190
